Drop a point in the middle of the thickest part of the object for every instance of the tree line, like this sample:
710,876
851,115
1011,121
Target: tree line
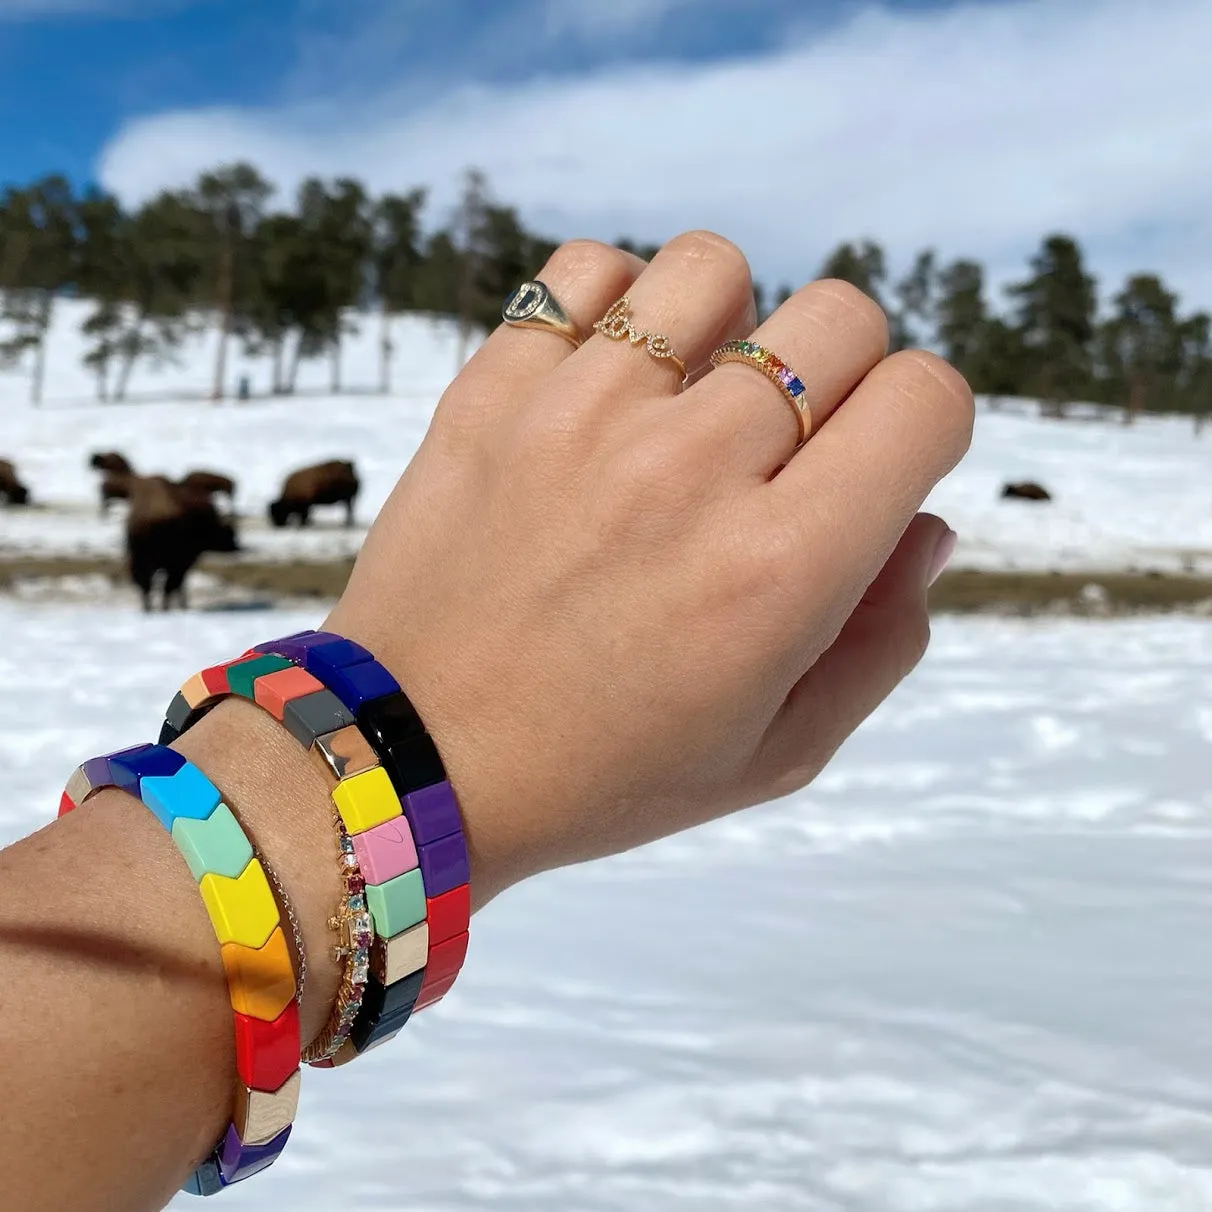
285,280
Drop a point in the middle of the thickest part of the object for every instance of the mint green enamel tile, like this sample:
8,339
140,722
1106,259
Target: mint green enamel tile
216,846
398,904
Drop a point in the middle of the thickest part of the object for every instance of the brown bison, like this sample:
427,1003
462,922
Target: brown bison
1025,490
111,460
115,486
332,483
11,489
167,530
212,484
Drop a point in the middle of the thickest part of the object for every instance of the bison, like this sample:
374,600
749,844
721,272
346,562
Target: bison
12,490
332,483
211,483
115,486
1025,490
167,530
111,460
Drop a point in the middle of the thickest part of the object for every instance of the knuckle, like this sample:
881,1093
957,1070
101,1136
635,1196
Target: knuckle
864,312
715,252
934,386
580,260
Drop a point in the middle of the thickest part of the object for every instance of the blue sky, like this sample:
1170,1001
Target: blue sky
973,126
73,71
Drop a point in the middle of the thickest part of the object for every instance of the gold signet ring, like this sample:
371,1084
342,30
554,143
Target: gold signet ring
532,305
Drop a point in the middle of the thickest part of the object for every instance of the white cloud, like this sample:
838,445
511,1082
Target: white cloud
975,130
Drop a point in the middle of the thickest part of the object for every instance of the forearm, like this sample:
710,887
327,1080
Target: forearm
119,1066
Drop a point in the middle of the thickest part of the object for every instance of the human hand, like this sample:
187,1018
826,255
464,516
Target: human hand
622,609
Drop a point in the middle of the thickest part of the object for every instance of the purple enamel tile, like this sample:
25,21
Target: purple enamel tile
444,864
432,812
356,684
96,773
238,1161
275,646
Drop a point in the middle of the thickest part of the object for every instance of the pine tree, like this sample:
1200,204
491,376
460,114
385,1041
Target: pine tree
1056,316
438,276
161,245
38,237
467,236
103,267
1195,376
960,313
397,259
1000,362
915,299
232,200
1141,346
861,265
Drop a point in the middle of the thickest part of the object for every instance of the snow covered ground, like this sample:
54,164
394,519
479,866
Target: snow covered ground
1138,497
968,970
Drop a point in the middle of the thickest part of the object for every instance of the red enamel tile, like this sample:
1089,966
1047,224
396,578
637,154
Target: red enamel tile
267,1053
445,959
215,678
449,914
433,993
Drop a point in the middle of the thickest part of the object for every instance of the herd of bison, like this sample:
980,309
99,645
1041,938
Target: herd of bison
170,523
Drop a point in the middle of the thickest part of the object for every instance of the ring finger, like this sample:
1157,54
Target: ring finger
830,335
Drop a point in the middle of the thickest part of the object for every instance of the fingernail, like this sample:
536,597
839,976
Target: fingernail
942,556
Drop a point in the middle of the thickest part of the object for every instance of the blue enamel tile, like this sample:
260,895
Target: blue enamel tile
358,684
188,793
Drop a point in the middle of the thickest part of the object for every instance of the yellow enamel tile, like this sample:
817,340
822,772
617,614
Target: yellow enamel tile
366,800
242,910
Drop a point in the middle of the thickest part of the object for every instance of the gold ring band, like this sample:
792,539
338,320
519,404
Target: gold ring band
767,362
617,325
532,305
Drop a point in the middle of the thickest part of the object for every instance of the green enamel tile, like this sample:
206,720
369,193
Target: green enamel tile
398,904
216,846
240,677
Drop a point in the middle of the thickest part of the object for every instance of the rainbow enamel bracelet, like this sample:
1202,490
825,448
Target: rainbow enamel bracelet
389,785
248,926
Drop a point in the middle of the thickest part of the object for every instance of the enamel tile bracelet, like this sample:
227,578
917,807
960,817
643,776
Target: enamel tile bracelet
248,926
405,908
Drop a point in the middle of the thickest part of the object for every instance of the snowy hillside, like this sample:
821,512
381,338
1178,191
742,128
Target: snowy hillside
968,971
1125,497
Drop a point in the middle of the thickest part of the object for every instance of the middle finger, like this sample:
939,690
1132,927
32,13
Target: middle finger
698,293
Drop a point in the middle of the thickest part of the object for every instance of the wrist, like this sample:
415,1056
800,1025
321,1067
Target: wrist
498,854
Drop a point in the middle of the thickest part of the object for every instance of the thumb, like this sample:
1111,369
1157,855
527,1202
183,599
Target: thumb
881,642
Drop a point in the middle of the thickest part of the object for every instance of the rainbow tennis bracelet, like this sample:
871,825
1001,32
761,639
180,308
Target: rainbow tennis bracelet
246,921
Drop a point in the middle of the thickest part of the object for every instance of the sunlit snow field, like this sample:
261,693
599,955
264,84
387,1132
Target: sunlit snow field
1137,496
970,969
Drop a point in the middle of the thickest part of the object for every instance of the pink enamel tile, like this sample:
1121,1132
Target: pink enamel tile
385,851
